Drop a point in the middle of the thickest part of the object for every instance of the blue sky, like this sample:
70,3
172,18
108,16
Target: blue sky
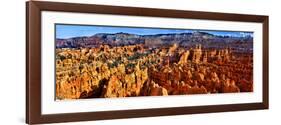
68,31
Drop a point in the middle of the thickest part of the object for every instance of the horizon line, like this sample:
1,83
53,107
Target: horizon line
66,31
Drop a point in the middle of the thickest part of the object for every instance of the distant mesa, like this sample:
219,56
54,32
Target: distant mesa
182,39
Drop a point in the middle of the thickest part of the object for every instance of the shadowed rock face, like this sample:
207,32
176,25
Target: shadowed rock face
113,70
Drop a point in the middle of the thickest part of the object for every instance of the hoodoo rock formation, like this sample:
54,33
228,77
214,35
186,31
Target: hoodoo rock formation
196,54
184,57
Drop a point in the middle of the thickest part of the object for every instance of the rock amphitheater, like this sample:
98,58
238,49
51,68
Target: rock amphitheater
137,70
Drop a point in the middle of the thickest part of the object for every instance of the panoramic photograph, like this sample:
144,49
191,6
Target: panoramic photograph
110,61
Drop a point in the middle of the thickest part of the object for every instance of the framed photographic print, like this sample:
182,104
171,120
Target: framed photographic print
93,62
